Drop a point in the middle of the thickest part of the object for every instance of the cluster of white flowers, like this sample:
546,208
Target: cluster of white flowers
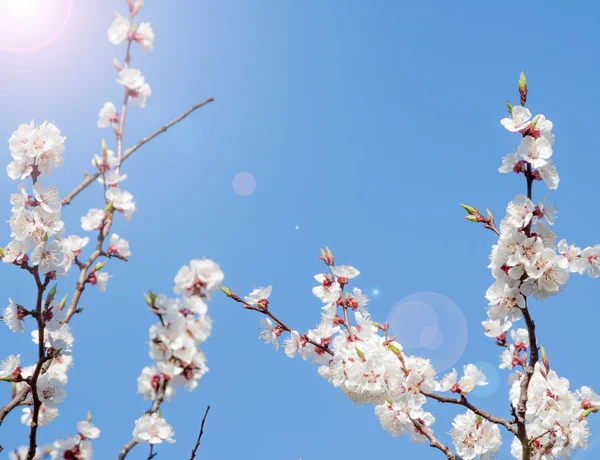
528,262
475,437
138,91
556,417
535,147
153,429
119,200
183,326
58,341
37,230
73,447
367,366
39,246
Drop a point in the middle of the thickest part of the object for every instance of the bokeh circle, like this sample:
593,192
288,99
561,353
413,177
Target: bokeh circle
430,325
244,184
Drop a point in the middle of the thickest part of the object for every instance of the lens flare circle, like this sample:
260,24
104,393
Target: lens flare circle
430,325
244,184
27,26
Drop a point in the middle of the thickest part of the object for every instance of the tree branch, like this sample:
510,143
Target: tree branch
433,441
193,456
38,367
521,408
463,402
160,396
89,178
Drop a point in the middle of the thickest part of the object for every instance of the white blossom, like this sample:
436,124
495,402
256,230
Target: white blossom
153,429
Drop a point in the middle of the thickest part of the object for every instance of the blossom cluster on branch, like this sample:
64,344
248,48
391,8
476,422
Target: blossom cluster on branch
355,354
183,325
40,247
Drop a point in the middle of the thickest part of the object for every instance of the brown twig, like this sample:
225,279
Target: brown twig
193,456
125,98
32,381
529,370
38,368
89,178
152,454
433,441
84,271
160,396
545,448
265,311
464,402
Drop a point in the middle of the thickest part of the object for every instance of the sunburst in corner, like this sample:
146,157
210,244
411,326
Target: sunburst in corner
29,25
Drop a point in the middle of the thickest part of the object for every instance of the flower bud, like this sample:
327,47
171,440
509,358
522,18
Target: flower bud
148,299
544,357
394,349
360,354
326,256
63,302
226,291
51,294
470,209
99,266
137,7
104,149
471,218
523,88
117,65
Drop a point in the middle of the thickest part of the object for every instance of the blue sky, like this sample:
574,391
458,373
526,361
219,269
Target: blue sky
365,124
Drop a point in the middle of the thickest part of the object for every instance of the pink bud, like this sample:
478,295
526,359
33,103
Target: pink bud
342,280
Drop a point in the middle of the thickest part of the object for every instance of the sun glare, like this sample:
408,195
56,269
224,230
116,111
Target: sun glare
29,25
19,9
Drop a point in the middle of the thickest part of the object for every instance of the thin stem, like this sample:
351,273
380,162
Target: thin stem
267,312
348,324
160,396
84,270
529,370
38,367
193,456
433,441
464,402
545,449
90,178
125,98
